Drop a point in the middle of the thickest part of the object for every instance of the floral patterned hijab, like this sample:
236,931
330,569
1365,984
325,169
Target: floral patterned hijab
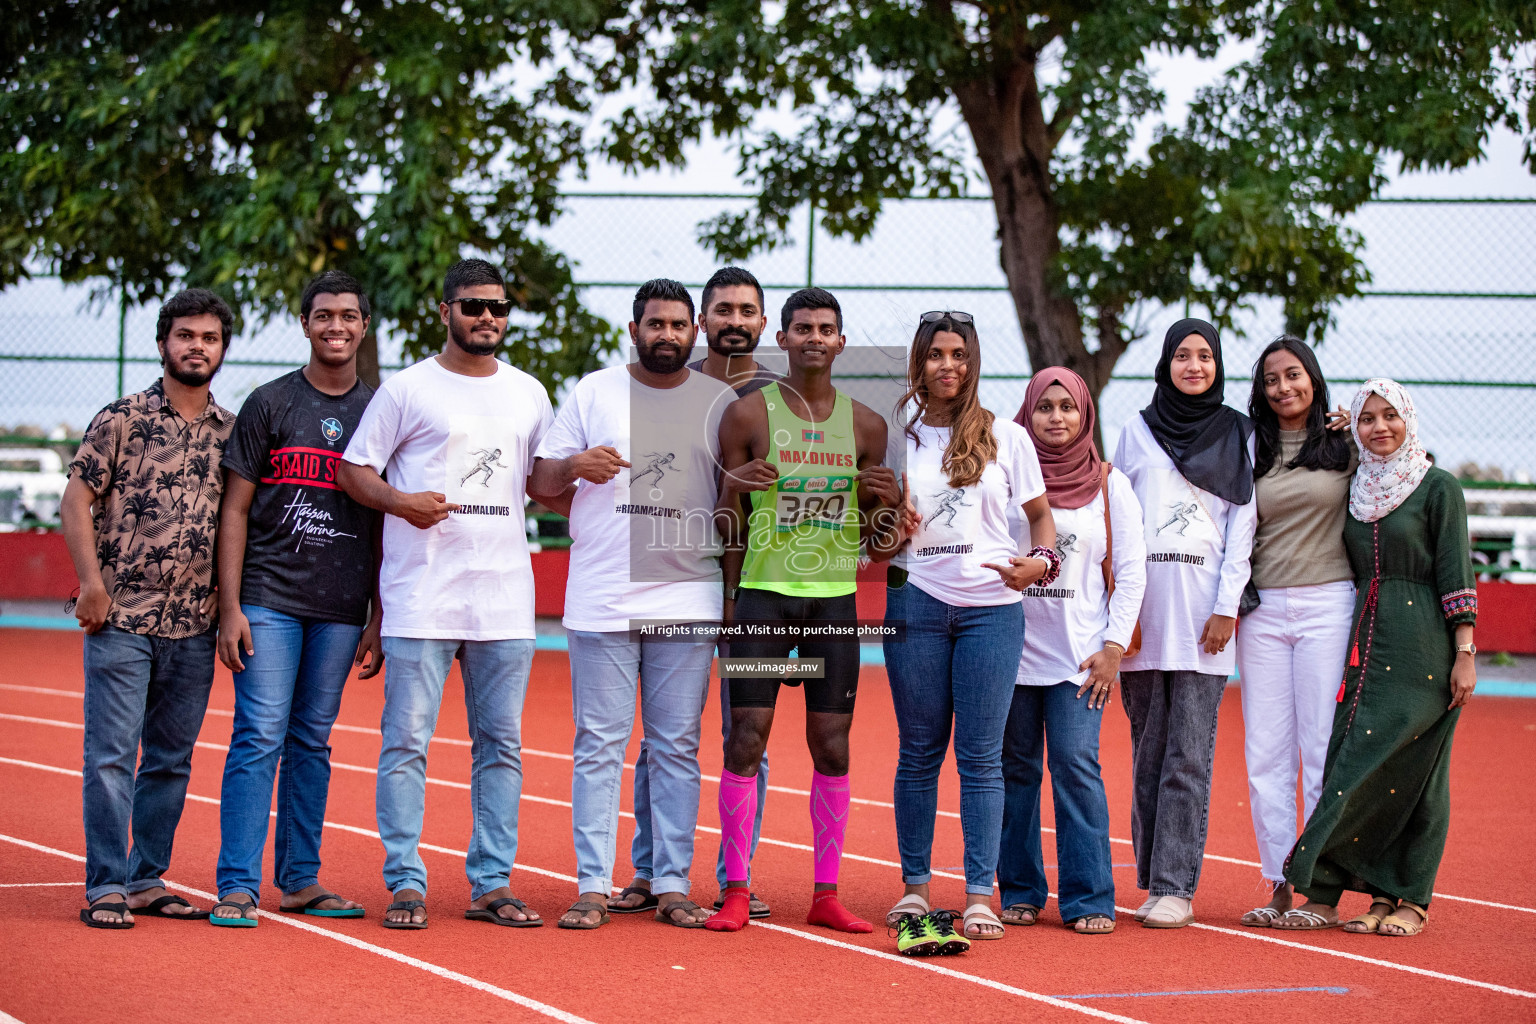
1384,482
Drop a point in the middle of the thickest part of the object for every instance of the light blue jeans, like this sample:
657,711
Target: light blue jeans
673,679
640,850
286,701
495,682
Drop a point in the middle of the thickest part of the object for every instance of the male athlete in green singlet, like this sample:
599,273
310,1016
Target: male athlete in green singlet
802,472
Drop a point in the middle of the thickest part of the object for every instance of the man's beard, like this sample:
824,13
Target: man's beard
663,364
732,341
468,344
192,378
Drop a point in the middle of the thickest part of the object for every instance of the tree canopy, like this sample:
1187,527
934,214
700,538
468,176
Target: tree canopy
247,145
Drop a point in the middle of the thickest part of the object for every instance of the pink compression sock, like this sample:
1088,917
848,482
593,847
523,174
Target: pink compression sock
738,808
829,823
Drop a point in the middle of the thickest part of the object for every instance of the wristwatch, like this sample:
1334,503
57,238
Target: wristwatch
1468,648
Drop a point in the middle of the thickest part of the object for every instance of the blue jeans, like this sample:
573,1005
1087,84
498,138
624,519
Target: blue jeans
138,690
495,682
1173,744
285,703
673,679
955,667
1052,722
640,849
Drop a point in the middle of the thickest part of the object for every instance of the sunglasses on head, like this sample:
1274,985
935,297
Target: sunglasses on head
474,308
934,316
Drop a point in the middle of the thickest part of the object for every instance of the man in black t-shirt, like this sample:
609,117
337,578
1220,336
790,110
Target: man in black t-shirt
297,568
732,320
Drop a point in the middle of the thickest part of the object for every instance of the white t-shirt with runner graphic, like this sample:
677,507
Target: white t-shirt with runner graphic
1198,547
471,439
965,527
1069,620
643,545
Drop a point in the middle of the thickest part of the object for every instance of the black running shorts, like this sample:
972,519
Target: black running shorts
832,694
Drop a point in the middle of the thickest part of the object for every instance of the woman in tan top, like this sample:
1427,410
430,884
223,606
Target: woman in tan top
1291,649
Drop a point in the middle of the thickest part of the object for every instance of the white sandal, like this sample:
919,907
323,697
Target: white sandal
980,914
1167,913
911,903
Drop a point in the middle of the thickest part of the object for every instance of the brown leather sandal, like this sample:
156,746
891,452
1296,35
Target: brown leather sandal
1369,922
1409,927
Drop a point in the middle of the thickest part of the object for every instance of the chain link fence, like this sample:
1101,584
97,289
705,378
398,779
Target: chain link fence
1451,311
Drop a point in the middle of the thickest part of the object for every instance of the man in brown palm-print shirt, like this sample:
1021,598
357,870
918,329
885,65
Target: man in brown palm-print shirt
140,512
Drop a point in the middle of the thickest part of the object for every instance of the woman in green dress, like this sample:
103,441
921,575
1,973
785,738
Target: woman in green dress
1380,824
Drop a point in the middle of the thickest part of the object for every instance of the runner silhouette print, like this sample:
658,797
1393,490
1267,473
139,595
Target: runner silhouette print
487,461
949,502
1182,513
658,465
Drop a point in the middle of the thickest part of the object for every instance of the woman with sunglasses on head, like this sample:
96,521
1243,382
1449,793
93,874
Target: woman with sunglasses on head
1079,629
956,586
1190,460
1290,650
1380,824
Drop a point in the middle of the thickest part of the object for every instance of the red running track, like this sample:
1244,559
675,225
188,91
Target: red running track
1474,960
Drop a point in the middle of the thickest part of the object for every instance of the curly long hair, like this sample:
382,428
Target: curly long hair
972,444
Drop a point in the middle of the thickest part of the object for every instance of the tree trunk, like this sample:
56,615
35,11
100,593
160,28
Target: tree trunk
1015,145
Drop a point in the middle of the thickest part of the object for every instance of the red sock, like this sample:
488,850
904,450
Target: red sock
828,911
733,915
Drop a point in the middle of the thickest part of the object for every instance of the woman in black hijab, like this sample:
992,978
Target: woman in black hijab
1190,461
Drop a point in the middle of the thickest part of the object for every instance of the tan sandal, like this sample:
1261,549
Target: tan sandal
980,914
909,905
1369,922
1408,927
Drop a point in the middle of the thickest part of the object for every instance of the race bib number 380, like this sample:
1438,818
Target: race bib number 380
821,501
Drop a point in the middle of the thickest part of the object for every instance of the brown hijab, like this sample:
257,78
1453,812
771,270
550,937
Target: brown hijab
1071,472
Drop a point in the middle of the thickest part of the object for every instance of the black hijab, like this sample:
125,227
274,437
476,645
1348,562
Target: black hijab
1206,440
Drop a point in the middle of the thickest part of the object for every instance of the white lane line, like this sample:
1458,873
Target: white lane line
46,691
6,1018
1422,971
34,885
389,954
948,972
562,1015
1440,976
709,778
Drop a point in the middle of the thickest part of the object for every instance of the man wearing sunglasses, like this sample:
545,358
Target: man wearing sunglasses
456,435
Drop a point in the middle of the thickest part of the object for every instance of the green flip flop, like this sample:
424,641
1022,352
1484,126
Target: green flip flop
233,922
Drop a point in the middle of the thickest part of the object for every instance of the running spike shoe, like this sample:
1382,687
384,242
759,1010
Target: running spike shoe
941,925
914,937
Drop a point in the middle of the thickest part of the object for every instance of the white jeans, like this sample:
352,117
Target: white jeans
1290,657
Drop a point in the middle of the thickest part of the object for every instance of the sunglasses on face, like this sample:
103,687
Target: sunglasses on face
475,308
936,315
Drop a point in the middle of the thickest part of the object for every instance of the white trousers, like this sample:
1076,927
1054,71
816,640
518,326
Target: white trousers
1290,659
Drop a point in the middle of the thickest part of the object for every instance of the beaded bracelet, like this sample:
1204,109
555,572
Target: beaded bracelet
1052,561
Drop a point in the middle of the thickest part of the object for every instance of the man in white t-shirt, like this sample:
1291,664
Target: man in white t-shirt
641,443
456,435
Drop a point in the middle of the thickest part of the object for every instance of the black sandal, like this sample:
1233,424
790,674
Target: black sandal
156,909
1092,931
664,914
1033,911
312,908
649,903
120,908
408,925
583,908
488,914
